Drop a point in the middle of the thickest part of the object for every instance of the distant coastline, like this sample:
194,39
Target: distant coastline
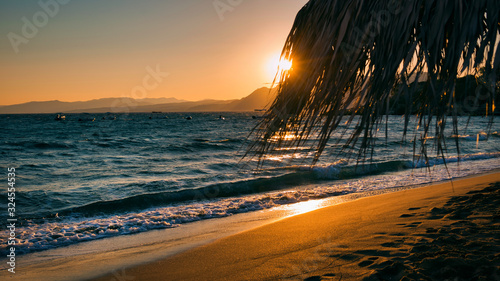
259,99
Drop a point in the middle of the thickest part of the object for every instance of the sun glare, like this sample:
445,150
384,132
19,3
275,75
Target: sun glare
275,65
305,207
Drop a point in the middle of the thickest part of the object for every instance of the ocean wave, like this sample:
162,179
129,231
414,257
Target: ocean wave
66,229
41,145
341,170
230,140
214,191
283,178
421,163
195,146
202,145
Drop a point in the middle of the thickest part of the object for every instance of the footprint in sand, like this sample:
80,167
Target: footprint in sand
347,257
327,276
390,245
414,224
374,253
313,278
365,263
407,215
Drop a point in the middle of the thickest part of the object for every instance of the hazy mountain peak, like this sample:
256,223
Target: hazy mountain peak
258,99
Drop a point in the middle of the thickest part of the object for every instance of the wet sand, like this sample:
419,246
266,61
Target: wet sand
436,232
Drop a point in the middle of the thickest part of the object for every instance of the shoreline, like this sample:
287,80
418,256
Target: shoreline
357,239
144,249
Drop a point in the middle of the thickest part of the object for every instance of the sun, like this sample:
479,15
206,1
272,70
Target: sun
275,65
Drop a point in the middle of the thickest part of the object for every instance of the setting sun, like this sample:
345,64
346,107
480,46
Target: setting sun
276,65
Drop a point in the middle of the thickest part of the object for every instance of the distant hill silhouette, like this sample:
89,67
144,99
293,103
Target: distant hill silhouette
107,104
470,95
257,100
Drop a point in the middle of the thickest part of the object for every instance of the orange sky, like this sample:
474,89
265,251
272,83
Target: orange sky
188,49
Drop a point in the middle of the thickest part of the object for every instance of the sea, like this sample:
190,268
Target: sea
96,176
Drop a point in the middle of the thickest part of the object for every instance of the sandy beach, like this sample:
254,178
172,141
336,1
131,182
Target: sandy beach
436,232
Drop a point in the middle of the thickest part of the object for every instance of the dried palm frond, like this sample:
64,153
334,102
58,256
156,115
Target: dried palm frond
351,57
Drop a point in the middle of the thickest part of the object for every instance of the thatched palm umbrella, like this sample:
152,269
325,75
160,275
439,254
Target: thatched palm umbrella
351,57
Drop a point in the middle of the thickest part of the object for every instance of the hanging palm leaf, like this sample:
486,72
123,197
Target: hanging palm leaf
351,58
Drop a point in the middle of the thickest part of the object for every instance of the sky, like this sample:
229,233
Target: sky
78,50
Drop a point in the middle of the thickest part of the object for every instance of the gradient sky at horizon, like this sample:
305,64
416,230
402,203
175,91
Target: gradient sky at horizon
97,49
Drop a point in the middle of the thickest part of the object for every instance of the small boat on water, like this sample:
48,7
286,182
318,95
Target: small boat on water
222,117
189,118
60,117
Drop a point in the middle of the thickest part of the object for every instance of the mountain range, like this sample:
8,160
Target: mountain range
259,99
